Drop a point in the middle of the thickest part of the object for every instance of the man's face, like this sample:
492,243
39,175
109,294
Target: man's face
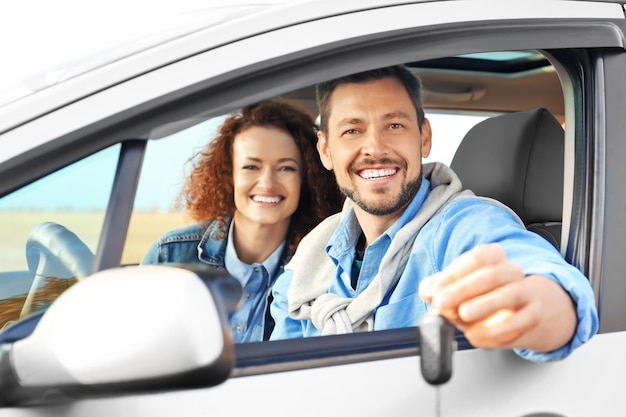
374,145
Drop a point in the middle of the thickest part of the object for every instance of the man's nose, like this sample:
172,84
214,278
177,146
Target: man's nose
375,143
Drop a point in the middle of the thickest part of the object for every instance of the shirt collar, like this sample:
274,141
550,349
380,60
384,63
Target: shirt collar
347,233
412,209
238,268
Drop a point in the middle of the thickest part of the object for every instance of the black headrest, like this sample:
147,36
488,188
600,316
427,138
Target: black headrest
517,159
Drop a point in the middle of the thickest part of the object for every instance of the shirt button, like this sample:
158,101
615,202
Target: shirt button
248,295
239,328
256,269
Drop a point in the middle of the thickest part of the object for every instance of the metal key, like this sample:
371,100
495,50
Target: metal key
436,341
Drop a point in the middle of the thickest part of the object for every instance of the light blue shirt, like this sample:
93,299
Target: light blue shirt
247,322
458,227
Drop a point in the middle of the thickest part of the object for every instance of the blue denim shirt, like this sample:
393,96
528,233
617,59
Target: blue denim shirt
201,243
458,227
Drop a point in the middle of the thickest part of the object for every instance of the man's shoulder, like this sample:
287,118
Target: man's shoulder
473,205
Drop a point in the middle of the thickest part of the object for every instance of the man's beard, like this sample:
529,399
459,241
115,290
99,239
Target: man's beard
409,190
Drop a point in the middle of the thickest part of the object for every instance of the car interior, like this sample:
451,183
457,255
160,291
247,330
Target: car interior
500,82
520,156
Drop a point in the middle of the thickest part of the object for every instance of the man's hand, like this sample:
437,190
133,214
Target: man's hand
491,301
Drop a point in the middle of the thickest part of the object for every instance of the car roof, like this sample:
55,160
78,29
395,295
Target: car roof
150,38
185,29
150,27
140,29
137,30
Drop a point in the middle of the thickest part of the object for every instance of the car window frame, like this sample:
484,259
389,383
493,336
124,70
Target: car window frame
229,95
265,357
279,75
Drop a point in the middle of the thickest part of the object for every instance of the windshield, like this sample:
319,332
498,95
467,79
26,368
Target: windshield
44,43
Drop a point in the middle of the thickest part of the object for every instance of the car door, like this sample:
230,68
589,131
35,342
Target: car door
378,373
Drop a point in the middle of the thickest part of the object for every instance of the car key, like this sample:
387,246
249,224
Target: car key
436,342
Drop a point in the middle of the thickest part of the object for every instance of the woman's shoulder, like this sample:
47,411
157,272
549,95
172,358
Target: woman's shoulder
191,232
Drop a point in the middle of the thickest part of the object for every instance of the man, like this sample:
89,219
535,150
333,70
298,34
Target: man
406,226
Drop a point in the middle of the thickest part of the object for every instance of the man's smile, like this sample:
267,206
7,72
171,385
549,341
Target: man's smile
373,174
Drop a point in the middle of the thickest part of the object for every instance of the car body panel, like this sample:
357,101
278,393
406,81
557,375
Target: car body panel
144,97
484,383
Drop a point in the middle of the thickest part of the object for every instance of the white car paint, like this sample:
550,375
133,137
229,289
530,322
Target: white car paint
484,383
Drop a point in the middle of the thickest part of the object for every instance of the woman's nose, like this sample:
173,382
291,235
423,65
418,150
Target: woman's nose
266,179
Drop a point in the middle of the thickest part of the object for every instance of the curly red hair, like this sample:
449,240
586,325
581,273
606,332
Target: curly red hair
208,191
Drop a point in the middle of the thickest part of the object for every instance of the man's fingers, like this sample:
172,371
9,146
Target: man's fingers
475,284
502,329
512,295
459,268
428,287
470,261
483,295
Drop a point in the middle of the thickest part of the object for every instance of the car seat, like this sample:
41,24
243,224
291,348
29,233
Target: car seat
518,159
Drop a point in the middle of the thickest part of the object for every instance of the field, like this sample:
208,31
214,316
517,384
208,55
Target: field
145,228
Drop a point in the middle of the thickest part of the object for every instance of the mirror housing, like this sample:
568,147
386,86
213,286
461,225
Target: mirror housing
126,330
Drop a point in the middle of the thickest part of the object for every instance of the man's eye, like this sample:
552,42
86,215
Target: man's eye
350,132
396,126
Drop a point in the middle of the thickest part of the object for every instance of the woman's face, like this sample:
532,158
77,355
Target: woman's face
267,176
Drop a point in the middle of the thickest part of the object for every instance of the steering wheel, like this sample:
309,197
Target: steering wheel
54,251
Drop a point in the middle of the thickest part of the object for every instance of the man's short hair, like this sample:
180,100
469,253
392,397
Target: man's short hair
411,83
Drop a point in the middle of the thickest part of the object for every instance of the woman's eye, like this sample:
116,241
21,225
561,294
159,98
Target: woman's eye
288,169
249,167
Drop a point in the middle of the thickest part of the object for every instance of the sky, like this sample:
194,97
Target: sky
86,184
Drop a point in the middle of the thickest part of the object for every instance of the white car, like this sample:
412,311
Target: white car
94,151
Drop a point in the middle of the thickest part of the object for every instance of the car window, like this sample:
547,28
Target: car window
166,164
448,132
164,170
451,114
76,196
38,223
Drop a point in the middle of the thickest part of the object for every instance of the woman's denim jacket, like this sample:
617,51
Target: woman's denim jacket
197,243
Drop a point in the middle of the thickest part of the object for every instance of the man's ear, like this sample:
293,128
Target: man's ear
426,134
322,148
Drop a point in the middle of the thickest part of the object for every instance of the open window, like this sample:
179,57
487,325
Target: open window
50,233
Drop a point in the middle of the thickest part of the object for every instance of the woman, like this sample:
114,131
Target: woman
254,192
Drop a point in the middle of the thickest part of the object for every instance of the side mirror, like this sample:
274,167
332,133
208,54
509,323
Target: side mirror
124,331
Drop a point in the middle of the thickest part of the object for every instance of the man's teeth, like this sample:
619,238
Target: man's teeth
263,199
369,174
